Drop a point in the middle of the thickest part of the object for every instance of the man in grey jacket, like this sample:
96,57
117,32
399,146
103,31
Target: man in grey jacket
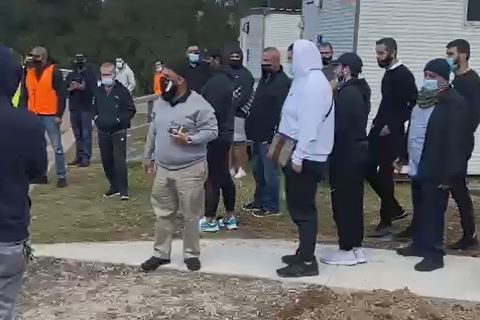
124,74
176,151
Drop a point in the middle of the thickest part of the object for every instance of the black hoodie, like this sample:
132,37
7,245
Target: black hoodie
352,106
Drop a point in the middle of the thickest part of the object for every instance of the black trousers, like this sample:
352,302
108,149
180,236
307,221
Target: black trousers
429,206
219,178
301,191
347,176
380,174
461,195
113,151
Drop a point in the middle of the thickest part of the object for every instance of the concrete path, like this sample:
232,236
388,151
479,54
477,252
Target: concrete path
460,279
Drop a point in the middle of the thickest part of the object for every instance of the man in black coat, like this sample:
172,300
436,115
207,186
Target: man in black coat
435,158
348,160
81,83
114,109
197,72
260,127
24,158
387,134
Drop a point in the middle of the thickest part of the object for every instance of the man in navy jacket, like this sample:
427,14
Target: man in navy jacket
24,158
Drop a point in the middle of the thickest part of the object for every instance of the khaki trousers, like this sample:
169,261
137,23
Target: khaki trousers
178,191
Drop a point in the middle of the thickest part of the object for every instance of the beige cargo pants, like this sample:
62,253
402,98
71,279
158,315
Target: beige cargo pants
178,191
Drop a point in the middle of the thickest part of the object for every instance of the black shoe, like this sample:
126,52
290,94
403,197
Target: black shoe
153,263
263,213
251,207
193,264
404,235
73,163
62,183
409,251
83,164
298,270
111,193
465,244
381,231
400,216
291,259
41,180
429,264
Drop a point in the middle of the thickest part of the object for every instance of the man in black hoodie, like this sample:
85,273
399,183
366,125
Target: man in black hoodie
387,134
260,127
219,92
114,109
24,158
435,159
348,160
197,72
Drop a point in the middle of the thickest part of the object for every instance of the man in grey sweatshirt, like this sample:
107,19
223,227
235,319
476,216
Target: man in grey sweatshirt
176,152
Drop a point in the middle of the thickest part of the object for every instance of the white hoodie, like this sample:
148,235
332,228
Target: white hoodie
126,77
308,112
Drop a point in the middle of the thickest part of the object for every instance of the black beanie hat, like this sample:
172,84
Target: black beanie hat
353,61
439,66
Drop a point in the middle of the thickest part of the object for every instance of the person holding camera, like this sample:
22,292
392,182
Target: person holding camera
81,83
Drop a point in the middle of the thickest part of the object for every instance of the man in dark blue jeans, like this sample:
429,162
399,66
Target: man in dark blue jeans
260,128
81,83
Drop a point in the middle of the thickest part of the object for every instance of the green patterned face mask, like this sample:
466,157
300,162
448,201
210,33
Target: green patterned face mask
427,98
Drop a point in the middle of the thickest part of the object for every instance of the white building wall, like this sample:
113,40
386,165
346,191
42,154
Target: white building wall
281,30
422,29
335,20
252,42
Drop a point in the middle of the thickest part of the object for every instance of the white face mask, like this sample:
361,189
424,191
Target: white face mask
193,57
119,65
289,67
108,81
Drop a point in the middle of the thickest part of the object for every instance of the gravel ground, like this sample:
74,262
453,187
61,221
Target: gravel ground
57,289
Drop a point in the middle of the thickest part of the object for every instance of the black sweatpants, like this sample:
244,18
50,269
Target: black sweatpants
301,191
429,206
113,151
219,178
347,176
380,174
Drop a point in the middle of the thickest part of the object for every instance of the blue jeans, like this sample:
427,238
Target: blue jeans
55,136
82,129
12,268
266,178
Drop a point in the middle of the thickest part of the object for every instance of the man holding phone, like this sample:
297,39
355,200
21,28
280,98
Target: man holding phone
81,83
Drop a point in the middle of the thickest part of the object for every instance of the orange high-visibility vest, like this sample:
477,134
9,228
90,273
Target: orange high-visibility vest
157,88
42,97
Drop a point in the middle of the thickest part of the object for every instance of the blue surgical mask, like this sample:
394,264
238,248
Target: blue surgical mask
289,67
451,62
108,82
430,84
193,57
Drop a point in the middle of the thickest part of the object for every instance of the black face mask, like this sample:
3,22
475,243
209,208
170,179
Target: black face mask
236,64
266,67
385,63
79,65
169,90
326,60
36,63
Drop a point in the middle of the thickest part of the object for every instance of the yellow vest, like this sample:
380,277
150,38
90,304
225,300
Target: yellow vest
16,96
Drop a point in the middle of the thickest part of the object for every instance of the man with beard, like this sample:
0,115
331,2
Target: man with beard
387,134
81,83
435,158
467,83
326,51
243,89
45,96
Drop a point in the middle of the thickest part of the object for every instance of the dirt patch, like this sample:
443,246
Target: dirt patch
59,290
376,305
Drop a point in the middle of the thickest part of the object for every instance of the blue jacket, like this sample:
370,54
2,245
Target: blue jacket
24,154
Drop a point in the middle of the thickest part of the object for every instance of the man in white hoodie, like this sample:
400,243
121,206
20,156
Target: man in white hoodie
125,75
307,119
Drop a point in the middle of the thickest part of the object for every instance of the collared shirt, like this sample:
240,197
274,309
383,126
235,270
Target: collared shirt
416,137
396,65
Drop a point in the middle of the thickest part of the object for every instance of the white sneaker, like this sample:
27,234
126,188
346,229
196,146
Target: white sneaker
232,172
360,255
240,174
341,258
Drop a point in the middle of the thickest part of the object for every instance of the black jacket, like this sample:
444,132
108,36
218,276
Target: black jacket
115,110
82,100
442,158
266,109
218,92
243,82
352,106
197,76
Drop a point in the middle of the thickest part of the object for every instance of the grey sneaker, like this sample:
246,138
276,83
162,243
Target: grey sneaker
381,231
